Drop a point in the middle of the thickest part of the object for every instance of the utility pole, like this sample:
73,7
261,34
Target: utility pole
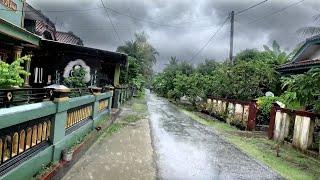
231,37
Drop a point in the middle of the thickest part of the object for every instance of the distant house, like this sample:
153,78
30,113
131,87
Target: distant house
38,23
307,57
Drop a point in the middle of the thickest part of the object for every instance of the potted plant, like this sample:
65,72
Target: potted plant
67,154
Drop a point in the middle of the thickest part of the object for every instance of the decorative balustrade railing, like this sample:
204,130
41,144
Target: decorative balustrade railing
15,97
33,135
103,105
19,139
78,115
239,113
23,134
35,129
301,128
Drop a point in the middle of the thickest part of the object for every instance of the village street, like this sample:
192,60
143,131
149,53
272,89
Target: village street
183,149
186,149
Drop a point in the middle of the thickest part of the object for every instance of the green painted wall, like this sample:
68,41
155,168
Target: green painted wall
14,17
58,139
29,168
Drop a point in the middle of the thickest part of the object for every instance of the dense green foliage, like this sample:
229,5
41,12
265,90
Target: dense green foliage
247,79
12,74
307,88
77,79
265,103
142,57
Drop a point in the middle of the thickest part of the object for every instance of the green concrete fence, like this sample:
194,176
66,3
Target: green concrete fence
33,136
121,95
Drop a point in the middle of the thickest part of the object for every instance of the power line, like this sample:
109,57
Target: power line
113,11
210,39
253,6
114,28
276,12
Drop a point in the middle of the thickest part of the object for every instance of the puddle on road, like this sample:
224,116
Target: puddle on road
177,154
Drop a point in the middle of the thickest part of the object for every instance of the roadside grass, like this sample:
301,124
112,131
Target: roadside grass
131,118
292,164
138,107
113,128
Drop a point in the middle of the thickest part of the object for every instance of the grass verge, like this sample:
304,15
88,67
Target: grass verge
292,164
138,107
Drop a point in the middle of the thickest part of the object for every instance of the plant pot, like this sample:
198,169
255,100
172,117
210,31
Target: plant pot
67,155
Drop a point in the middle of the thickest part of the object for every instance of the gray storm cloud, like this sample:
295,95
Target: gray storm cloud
180,27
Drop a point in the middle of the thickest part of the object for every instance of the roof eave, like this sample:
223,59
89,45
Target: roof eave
18,33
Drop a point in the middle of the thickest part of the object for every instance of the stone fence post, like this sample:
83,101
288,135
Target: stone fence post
59,123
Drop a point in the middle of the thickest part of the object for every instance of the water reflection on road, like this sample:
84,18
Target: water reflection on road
186,149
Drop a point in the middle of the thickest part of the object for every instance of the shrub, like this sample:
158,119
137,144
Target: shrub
12,74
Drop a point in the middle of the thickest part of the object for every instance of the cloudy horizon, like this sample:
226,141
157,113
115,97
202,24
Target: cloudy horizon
181,27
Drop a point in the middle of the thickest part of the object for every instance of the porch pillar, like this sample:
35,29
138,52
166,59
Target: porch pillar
116,75
27,68
17,50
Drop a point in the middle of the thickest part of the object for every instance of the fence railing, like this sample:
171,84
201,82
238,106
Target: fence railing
103,105
33,135
121,95
301,128
78,115
238,113
19,140
14,97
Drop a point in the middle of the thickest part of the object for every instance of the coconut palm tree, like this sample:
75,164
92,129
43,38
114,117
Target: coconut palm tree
142,51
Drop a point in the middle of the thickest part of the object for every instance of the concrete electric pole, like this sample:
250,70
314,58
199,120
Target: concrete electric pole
231,37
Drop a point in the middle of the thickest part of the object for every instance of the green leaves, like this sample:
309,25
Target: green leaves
12,74
77,79
246,80
306,88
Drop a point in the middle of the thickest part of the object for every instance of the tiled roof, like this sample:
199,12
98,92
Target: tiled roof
33,14
304,63
68,38
316,37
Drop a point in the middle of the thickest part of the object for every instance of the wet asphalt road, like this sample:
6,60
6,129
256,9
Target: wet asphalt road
186,149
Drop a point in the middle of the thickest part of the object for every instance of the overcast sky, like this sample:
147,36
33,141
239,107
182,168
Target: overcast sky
181,27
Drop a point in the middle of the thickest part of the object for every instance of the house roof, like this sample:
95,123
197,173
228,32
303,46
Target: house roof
13,32
303,61
68,38
105,56
33,14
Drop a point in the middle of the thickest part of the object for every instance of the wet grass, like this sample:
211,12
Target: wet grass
137,111
113,128
131,118
292,164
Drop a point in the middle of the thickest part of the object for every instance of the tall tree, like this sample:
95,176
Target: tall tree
142,51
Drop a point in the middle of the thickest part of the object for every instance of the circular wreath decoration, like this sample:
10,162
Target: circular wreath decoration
74,65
